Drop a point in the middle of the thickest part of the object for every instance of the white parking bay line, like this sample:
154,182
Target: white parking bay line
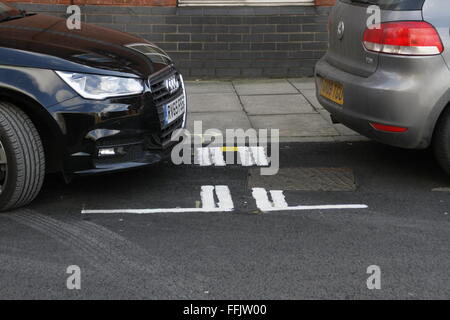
224,204
248,156
224,196
149,211
278,199
210,156
279,203
259,154
442,189
203,157
207,196
217,156
261,198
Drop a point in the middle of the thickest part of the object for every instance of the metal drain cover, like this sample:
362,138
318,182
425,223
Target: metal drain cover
305,179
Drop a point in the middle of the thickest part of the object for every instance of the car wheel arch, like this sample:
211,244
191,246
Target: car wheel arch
434,116
50,133
438,118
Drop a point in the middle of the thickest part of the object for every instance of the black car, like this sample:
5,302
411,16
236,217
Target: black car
79,102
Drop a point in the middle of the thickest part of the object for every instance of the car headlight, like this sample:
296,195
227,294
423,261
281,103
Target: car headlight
92,86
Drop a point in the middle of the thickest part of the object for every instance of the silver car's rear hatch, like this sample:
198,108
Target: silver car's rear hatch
348,21
346,52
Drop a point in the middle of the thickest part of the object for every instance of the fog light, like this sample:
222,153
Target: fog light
104,152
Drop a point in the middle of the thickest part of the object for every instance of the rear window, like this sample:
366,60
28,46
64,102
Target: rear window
391,4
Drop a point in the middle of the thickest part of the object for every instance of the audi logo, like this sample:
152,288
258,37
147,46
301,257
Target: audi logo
172,84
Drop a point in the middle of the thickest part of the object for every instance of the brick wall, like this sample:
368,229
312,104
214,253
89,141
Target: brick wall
222,42
133,2
325,2
167,3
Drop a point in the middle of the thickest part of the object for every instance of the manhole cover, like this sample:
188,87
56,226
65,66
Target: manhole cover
305,179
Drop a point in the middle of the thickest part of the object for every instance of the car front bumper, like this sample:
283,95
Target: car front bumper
119,133
404,93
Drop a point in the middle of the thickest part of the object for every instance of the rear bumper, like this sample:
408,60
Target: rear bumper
394,96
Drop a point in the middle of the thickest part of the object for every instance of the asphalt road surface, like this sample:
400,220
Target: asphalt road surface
244,253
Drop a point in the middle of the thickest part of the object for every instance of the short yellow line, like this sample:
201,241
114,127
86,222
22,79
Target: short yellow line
230,149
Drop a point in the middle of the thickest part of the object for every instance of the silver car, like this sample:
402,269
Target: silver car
387,72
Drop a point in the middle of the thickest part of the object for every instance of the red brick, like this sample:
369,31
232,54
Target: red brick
325,2
167,3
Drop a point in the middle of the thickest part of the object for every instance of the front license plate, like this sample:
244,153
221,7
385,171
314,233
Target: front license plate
332,90
173,110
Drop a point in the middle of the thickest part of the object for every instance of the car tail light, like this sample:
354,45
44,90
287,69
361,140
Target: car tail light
386,128
415,38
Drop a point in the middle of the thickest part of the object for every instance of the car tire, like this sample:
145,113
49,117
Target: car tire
441,141
22,159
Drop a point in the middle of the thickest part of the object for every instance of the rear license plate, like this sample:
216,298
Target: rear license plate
173,110
332,90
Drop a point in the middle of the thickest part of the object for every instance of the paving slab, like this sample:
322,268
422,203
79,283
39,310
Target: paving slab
209,87
276,104
213,102
295,125
219,120
310,95
255,87
265,104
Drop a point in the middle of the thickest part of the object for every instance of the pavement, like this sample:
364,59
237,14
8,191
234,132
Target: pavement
335,210
289,105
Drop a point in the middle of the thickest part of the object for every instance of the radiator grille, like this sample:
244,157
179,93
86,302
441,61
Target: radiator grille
162,96
159,91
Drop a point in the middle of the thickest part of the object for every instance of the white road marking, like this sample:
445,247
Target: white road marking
324,207
210,156
217,156
224,204
245,156
261,198
248,156
149,211
224,195
443,189
279,203
264,204
203,157
207,196
278,199
259,154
